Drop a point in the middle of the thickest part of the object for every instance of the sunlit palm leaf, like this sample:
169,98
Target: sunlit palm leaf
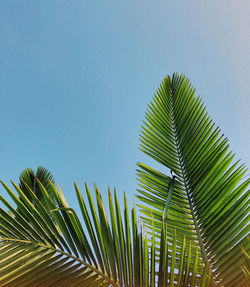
53,248
56,249
209,201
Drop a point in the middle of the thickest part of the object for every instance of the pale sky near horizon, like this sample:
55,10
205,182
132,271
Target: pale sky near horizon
76,78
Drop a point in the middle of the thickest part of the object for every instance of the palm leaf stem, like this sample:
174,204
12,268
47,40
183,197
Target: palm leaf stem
182,170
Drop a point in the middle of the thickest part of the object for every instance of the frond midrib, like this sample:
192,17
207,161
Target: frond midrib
184,177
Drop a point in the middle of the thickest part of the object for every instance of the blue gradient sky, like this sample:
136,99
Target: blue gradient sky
76,77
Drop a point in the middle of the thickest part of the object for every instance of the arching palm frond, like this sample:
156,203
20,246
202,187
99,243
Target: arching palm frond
206,198
53,247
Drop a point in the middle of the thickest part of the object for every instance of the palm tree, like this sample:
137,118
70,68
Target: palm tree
194,219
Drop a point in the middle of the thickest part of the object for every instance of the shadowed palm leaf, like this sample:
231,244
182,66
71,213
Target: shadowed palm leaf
30,177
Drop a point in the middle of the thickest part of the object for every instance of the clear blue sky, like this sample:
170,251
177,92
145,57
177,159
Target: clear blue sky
76,78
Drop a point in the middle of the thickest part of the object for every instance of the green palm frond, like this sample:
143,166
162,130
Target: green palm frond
30,177
207,199
54,248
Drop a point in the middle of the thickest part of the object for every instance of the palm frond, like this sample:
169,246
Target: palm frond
54,248
209,200
30,177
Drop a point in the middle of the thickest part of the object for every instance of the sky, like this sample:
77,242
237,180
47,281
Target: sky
76,78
